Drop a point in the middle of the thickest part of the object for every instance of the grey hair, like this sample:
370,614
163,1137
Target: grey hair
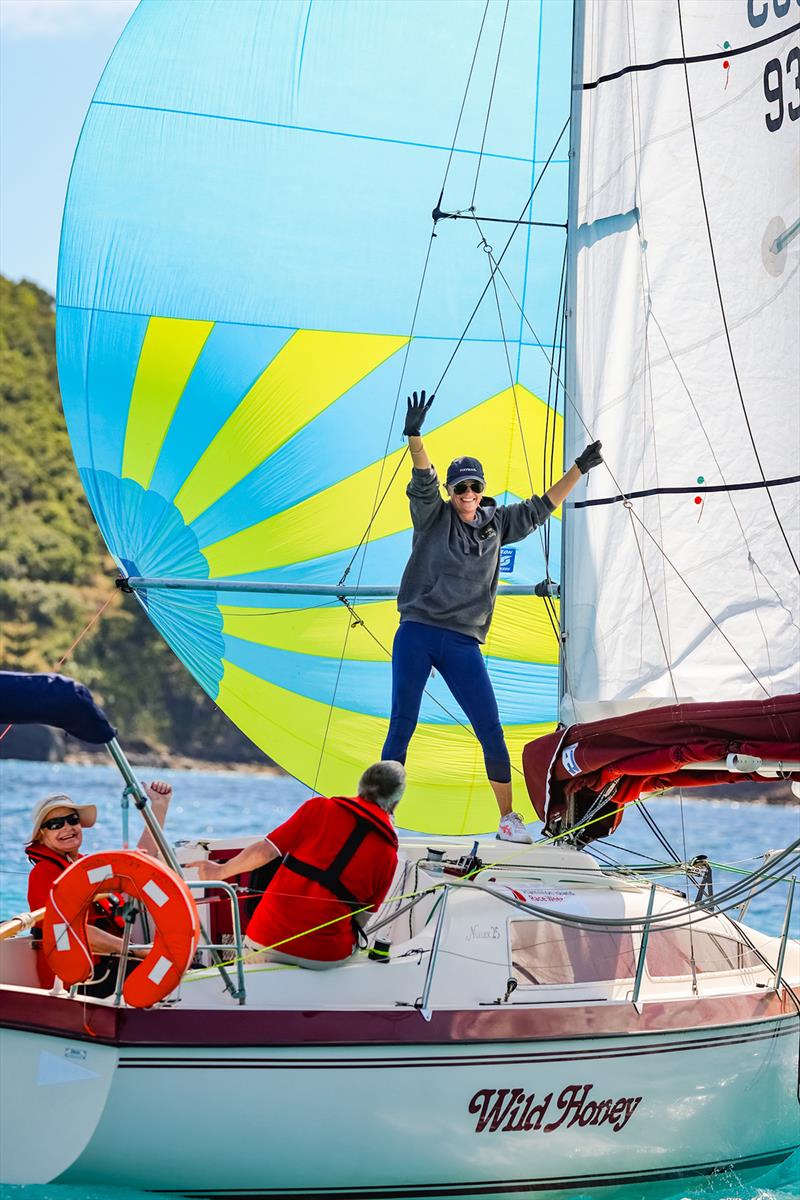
383,783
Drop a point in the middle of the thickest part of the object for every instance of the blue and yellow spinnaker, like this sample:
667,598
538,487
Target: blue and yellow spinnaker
245,234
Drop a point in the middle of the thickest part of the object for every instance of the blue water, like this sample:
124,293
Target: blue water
220,804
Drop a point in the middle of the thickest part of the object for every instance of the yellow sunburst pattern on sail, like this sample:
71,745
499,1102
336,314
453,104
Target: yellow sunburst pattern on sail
334,520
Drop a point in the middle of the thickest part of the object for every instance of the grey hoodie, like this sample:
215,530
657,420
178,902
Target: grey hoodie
450,579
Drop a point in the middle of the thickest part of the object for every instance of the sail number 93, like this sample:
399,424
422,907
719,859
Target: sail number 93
774,73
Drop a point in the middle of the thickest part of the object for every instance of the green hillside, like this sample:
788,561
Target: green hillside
55,573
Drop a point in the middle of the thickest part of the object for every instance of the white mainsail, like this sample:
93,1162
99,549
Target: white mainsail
683,354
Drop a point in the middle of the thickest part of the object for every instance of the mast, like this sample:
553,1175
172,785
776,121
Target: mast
570,373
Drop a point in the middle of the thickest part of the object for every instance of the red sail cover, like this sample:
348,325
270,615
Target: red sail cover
643,752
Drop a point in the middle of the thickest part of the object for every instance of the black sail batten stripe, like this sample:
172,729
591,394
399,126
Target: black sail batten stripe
689,58
687,491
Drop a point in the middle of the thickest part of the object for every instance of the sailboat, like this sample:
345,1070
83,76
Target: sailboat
570,219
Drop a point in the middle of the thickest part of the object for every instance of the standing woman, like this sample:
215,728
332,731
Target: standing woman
447,595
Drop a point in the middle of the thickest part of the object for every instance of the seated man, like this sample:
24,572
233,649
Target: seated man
57,835
339,855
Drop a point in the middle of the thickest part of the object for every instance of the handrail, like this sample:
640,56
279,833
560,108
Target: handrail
240,993
422,1003
637,983
787,916
135,789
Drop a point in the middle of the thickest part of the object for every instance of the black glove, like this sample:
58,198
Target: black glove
591,457
416,411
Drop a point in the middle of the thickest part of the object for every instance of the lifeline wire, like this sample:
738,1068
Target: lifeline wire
729,897
706,910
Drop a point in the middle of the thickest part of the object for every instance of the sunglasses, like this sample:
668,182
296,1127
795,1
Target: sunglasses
469,485
60,822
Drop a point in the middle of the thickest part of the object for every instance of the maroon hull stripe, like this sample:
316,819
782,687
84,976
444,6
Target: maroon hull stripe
506,1187
480,1060
175,1026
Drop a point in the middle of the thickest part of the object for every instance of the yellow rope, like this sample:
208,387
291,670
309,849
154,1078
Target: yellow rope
207,972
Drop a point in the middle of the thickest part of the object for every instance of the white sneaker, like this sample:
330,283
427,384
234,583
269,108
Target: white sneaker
512,829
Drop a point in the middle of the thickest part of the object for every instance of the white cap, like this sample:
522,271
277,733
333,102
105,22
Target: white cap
86,812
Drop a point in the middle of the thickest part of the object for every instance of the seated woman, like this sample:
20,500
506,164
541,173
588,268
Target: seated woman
57,834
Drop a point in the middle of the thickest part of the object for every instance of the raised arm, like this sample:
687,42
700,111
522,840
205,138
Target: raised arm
521,519
159,794
590,457
416,411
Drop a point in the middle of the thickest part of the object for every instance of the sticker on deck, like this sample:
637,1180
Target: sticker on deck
529,894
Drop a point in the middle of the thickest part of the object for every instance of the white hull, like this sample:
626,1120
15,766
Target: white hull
290,1121
335,1084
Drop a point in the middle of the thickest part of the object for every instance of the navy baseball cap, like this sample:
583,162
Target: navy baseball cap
464,468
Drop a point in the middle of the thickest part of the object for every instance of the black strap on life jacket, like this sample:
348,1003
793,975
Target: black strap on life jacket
330,877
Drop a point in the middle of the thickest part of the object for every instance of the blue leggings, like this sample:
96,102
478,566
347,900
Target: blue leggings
458,659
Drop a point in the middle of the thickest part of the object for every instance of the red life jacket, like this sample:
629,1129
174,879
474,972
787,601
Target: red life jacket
369,818
104,914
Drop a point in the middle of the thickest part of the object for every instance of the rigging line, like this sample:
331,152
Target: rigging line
359,620
658,834
561,352
464,99
751,558
329,718
637,854
488,249
548,160
629,507
252,613
548,481
548,608
57,666
469,216
634,68
489,107
719,290
371,522
635,516
493,282
376,503
551,373
709,443
698,601
377,507
754,565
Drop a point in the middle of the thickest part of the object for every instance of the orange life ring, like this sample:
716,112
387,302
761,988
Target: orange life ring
166,898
